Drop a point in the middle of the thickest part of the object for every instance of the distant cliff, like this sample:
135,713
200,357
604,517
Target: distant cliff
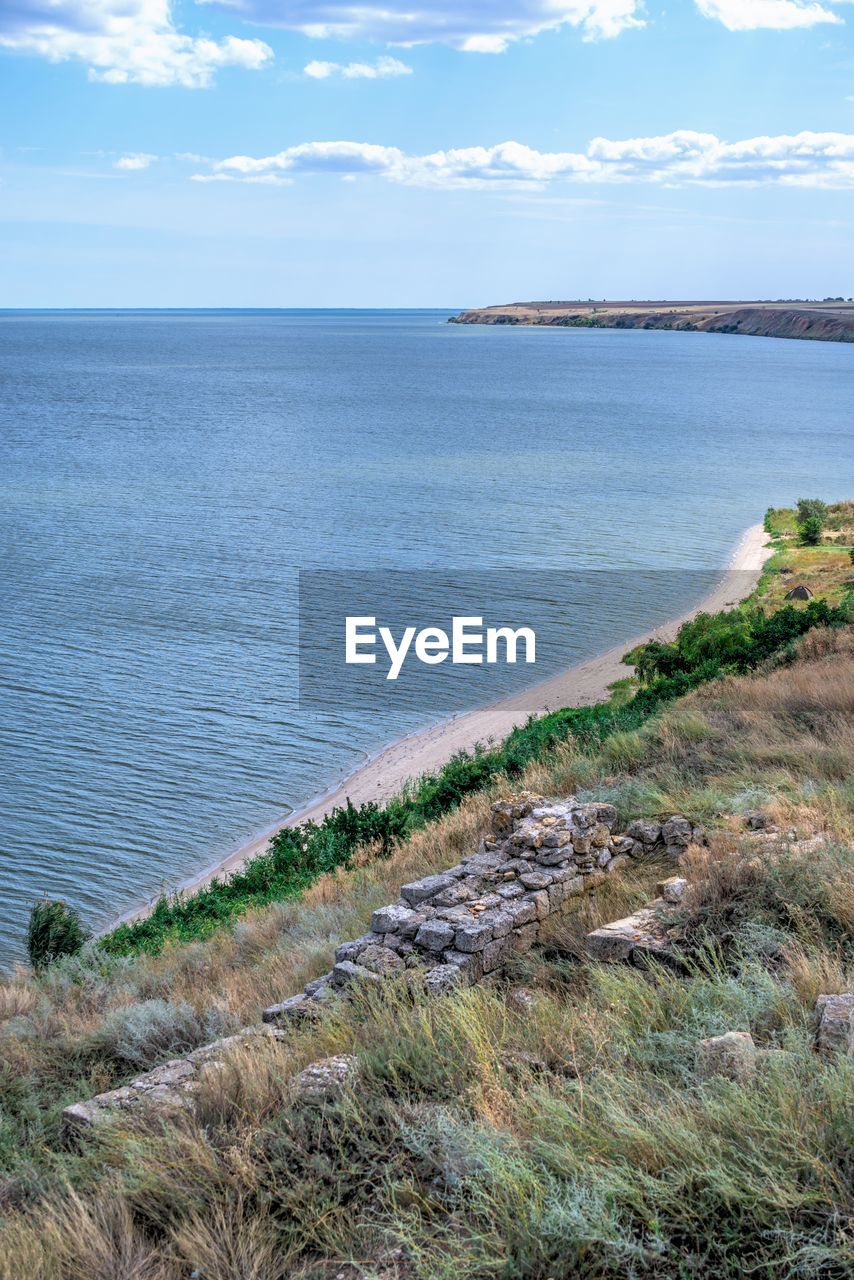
819,322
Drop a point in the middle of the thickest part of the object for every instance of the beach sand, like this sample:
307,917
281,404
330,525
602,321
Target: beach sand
427,750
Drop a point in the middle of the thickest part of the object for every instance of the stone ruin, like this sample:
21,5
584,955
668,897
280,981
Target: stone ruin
460,925
453,928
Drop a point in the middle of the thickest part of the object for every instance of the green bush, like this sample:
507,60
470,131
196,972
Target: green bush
54,930
811,508
810,531
725,644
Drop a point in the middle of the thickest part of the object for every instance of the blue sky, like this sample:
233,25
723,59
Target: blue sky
302,153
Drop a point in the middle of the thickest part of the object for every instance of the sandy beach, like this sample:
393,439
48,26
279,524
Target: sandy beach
426,751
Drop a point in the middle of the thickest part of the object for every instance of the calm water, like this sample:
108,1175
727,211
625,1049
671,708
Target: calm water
164,476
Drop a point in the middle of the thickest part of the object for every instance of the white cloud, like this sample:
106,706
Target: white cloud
683,157
476,26
123,41
382,69
134,160
260,179
775,15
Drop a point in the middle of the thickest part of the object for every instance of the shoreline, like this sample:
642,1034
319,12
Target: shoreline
383,774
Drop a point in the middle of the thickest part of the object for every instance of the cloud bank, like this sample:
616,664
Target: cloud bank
475,26
123,41
805,159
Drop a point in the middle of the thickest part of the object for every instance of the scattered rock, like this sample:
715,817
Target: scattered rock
631,939
326,1080
673,889
521,1000
834,1018
518,1062
732,1055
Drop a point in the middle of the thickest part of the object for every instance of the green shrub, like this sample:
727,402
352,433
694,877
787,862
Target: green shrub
811,508
725,643
810,530
54,930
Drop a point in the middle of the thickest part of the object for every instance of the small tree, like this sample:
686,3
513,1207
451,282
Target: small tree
851,554
55,930
808,507
811,531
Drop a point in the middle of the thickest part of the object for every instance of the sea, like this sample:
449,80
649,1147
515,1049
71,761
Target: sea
190,499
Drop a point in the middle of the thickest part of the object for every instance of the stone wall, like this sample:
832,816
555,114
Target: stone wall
447,929
467,921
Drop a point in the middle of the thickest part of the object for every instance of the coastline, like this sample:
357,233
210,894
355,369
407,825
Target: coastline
819,321
426,750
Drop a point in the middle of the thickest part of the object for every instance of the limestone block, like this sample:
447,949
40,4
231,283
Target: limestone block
834,1016
468,963
326,1080
381,960
422,890
294,1009
645,831
389,919
352,950
346,973
435,935
472,937
673,889
732,1055
442,978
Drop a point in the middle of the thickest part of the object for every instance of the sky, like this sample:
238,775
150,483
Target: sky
423,153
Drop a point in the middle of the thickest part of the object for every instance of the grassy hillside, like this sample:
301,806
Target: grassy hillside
563,1135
